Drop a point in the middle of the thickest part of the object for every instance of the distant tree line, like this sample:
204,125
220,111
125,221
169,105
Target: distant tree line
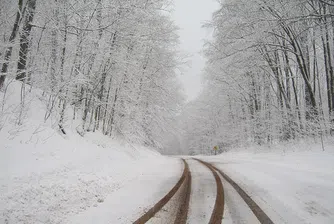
269,75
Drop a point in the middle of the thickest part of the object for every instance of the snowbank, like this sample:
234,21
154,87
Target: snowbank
54,181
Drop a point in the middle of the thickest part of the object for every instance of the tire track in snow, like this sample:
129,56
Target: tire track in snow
218,210
258,212
180,195
181,216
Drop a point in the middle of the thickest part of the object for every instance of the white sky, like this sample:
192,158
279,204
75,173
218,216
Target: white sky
190,15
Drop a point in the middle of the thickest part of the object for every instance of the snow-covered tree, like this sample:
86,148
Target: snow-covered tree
111,62
269,75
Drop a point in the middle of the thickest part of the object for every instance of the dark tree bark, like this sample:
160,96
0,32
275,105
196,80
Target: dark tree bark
54,51
330,74
24,41
8,52
99,115
113,109
310,100
62,78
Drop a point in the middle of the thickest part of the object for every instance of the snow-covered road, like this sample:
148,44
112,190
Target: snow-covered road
290,188
116,184
236,210
203,193
207,203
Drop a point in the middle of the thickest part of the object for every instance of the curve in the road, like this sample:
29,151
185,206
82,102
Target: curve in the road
183,209
218,210
258,212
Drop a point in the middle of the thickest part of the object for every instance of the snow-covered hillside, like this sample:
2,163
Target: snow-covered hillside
54,181
48,177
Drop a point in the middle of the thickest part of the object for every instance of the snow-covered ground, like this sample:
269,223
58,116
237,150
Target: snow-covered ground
46,177
292,183
59,180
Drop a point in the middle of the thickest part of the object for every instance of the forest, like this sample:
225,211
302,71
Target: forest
269,75
166,111
111,64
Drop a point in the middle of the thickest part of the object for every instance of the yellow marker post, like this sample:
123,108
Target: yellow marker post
215,148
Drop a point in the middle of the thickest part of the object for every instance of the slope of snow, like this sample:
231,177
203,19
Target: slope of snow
52,182
291,183
46,177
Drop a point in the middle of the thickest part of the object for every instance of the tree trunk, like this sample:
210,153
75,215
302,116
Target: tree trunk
54,53
24,41
62,78
8,52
